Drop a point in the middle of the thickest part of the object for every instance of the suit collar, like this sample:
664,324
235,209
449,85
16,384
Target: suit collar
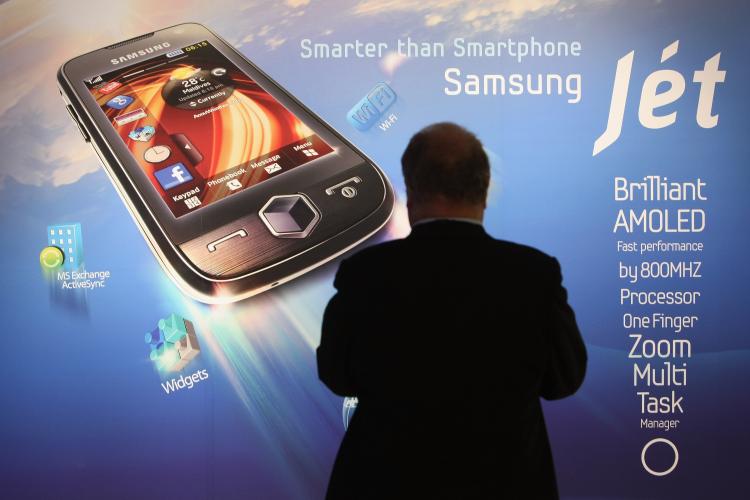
458,219
447,227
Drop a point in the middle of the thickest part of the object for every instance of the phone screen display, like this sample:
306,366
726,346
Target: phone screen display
200,128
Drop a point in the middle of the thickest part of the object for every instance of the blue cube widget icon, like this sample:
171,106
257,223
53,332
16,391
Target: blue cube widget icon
69,239
173,328
155,338
173,343
371,107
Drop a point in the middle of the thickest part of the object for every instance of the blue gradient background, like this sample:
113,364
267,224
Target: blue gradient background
83,413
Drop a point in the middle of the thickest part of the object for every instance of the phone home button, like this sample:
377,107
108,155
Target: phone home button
289,216
214,244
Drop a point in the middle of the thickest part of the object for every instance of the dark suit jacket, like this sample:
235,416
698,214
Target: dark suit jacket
448,338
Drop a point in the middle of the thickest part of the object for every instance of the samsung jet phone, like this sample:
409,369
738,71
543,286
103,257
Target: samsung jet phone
235,184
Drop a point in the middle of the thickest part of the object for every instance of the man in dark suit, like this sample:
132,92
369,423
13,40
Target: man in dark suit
448,338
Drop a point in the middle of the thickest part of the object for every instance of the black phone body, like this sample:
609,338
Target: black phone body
235,184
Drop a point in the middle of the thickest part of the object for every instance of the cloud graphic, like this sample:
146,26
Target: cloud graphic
391,61
497,15
40,147
39,143
274,42
433,19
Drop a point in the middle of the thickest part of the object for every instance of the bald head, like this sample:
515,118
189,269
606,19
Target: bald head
446,172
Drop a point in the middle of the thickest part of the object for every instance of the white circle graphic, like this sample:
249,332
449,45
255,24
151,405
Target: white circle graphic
157,154
648,445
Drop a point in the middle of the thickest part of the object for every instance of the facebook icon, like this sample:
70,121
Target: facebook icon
173,176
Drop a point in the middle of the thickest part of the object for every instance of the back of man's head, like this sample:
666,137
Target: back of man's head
446,162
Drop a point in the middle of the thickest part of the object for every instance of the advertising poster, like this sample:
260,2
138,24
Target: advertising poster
180,181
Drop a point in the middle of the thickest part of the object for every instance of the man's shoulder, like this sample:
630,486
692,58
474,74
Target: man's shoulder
521,251
378,252
529,264
375,258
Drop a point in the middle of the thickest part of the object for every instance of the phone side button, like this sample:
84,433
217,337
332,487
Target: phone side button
78,124
214,244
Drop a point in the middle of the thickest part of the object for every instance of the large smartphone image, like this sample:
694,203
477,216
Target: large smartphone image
235,184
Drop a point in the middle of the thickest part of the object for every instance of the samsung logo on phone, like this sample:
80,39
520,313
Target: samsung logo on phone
140,53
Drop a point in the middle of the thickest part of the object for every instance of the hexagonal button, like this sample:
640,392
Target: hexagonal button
289,216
